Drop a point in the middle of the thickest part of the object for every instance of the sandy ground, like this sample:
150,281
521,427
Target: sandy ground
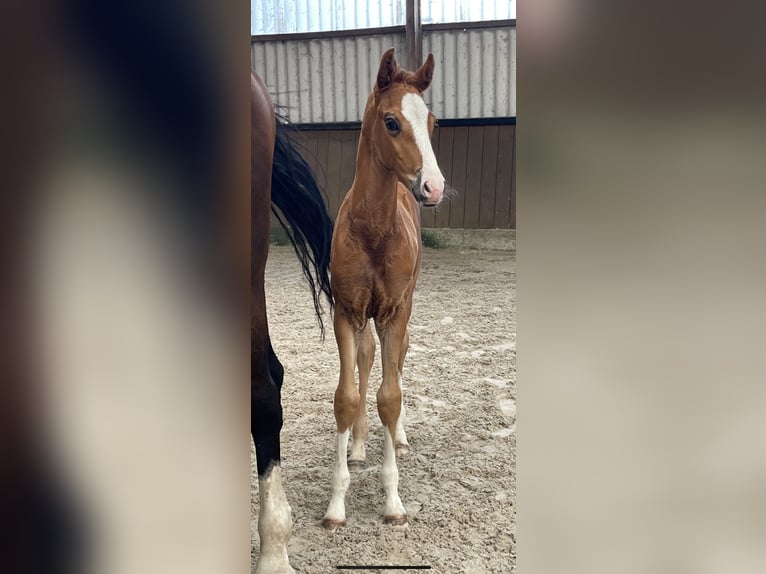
458,480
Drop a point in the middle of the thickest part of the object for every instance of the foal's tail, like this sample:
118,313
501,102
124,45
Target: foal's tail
303,215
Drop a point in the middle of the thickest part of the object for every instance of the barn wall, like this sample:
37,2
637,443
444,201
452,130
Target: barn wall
322,80
475,73
478,161
289,16
328,79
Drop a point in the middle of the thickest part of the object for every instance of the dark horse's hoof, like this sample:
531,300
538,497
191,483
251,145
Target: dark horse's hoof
402,449
330,524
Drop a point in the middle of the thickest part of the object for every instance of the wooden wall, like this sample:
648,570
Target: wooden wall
477,160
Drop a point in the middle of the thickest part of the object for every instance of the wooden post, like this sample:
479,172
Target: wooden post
413,35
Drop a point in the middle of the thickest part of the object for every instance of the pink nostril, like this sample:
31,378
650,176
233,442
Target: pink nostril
432,191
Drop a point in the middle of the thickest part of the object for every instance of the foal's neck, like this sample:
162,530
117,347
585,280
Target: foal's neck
374,198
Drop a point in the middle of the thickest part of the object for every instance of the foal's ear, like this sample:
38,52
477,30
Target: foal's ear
425,73
387,71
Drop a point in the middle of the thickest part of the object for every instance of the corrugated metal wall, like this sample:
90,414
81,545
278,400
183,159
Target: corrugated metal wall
475,73
287,16
322,80
329,79
438,11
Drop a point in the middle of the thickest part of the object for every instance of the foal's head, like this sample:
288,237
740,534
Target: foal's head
400,127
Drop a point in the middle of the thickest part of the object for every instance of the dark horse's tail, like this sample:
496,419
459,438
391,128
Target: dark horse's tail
303,214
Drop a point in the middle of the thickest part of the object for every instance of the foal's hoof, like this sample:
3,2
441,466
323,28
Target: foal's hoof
395,520
402,449
332,524
356,464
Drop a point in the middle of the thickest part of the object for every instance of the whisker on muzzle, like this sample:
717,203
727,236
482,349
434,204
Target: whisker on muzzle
448,194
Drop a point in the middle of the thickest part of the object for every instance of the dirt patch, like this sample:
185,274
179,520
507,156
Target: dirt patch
458,480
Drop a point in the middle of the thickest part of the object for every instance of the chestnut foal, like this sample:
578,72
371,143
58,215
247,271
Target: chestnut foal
374,263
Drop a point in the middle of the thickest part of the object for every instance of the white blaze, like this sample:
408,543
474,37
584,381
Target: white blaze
414,109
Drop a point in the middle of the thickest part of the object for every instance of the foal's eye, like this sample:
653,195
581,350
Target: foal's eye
392,125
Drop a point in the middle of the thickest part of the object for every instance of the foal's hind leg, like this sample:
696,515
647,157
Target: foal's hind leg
364,360
402,446
346,403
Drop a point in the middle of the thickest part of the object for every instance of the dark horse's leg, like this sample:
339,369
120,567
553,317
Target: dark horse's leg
280,176
266,408
274,520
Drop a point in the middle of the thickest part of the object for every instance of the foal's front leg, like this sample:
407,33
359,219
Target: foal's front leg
346,403
389,399
364,360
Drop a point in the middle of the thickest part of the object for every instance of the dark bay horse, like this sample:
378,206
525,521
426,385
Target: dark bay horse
280,177
375,261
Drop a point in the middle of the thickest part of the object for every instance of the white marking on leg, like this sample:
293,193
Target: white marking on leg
336,510
274,524
390,475
401,436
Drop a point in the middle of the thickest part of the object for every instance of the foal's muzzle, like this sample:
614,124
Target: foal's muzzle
427,189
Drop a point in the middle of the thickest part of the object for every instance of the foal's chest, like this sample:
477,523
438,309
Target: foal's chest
392,278
375,271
